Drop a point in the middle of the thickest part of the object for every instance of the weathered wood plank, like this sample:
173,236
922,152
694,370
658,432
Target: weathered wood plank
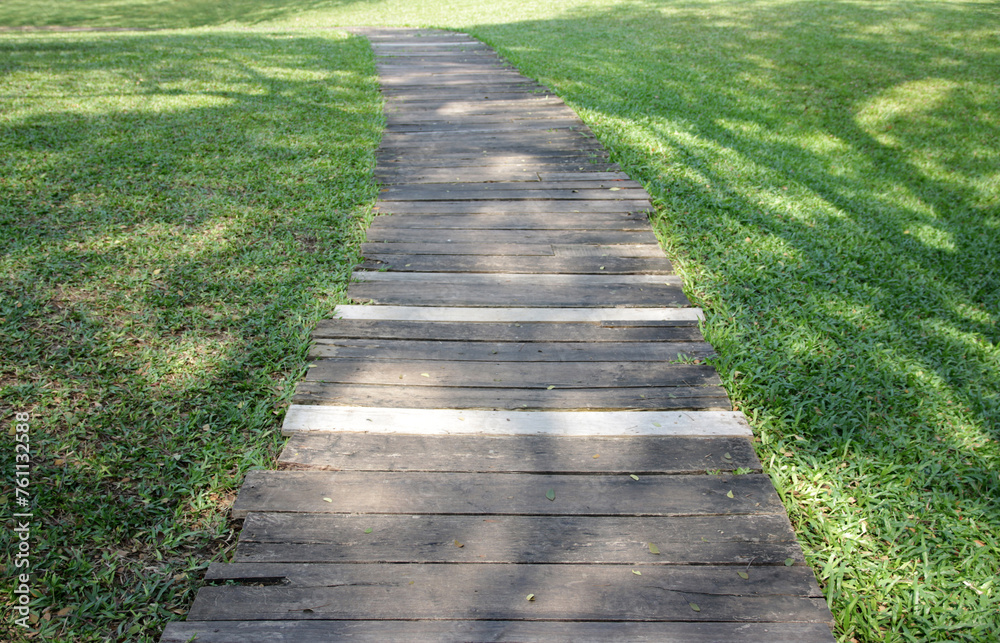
520,294
512,207
510,374
578,592
395,349
587,250
500,186
641,455
368,276
549,423
499,631
449,248
521,322
487,493
697,399
419,192
388,234
338,538
518,264
595,221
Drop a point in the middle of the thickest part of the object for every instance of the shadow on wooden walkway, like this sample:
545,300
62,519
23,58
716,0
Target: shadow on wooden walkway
519,440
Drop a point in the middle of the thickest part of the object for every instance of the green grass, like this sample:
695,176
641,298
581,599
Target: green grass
827,178
177,210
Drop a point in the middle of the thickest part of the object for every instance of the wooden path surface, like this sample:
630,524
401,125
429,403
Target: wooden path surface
519,440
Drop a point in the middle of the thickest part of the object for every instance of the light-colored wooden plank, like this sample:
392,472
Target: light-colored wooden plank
452,422
513,314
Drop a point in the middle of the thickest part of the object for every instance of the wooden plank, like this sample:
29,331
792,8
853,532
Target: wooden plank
641,455
419,192
368,276
522,264
510,374
668,398
395,349
500,186
549,423
448,175
587,250
367,322
554,540
683,316
520,294
488,493
389,234
449,248
584,176
579,592
512,207
527,128
595,221
500,631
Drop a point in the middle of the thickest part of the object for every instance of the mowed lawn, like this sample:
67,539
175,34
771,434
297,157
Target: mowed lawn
827,180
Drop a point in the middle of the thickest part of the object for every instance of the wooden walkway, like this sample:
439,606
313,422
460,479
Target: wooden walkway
519,440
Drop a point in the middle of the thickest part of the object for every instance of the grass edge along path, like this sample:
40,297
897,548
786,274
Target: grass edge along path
178,209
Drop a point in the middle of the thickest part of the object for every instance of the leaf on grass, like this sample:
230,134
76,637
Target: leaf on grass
743,575
653,549
634,477
729,494
637,572
695,607
459,545
789,562
64,611
551,494
530,597
327,499
58,462
369,530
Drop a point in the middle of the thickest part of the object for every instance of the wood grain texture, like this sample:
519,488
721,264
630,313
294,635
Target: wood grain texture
521,294
700,398
518,264
477,493
751,541
520,352
483,592
375,322
496,631
350,451
449,421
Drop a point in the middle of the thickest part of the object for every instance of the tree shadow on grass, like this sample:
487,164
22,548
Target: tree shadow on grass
157,14
829,172
177,212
